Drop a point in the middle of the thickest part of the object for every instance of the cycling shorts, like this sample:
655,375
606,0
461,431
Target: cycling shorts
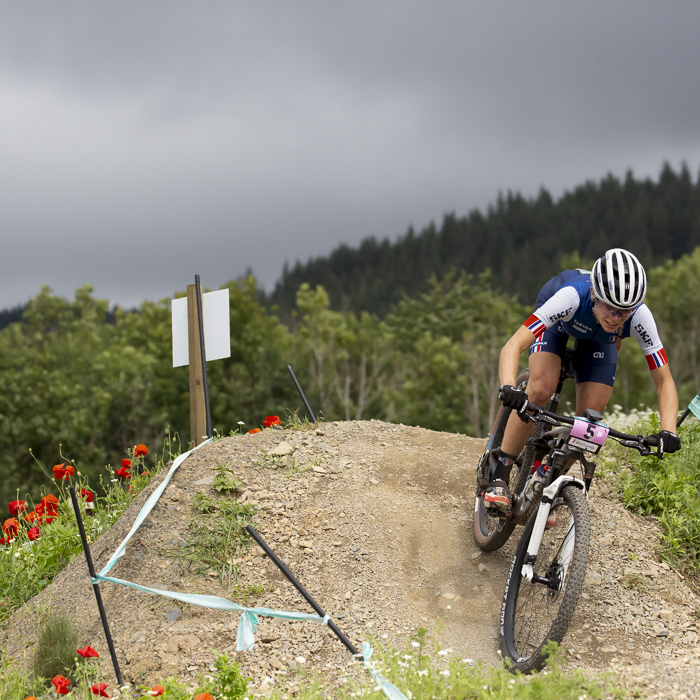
593,362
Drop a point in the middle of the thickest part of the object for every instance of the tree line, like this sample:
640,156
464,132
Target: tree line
84,382
521,240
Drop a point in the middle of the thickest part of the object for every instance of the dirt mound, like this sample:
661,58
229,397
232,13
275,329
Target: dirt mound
375,520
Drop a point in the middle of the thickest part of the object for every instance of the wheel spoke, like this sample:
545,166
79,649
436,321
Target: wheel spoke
538,603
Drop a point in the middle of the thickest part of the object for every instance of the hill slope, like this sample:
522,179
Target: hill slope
379,530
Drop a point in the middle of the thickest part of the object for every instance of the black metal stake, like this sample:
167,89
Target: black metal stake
685,413
95,586
200,318
291,578
301,393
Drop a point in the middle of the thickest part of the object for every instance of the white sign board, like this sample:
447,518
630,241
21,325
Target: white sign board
217,328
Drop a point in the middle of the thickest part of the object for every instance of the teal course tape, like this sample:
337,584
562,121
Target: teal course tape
248,623
249,616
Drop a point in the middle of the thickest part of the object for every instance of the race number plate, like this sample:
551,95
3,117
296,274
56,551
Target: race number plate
588,436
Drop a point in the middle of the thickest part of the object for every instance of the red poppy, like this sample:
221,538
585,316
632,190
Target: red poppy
144,472
32,517
30,697
10,527
88,653
203,696
123,473
4,541
33,533
50,518
88,495
17,507
271,420
157,690
140,450
126,463
61,684
63,471
49,505
254,430
100,689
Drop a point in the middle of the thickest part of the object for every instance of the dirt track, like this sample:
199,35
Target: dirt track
380,533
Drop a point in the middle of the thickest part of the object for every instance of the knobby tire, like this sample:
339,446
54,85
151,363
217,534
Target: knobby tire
532,614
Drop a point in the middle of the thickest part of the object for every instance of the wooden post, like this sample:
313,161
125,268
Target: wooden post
198,410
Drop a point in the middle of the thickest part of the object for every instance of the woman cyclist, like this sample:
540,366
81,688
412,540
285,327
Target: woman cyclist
598,309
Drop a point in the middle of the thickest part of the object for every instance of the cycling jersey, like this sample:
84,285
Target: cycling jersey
564,306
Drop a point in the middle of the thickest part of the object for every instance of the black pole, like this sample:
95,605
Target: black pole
95,586
301,393
291,578
200,318
684,415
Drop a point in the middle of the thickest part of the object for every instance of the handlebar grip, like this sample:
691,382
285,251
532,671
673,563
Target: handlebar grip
651,441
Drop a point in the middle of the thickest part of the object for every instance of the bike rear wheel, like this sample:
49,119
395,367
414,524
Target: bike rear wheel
490,531
533,614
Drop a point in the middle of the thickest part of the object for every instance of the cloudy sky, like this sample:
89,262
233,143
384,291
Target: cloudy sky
144,142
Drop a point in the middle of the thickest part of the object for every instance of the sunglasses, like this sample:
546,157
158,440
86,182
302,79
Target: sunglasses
608,310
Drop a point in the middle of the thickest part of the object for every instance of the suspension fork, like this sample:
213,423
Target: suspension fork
533,547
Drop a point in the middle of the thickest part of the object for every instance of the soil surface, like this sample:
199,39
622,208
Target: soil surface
375,520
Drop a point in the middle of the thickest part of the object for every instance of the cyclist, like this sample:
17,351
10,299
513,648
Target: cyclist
598,308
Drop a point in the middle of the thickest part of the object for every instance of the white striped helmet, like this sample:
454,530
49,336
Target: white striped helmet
618,279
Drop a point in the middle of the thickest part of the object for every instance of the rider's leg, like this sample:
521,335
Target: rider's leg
545,368
592,395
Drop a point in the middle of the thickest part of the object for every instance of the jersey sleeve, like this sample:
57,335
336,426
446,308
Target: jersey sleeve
559,307
643,328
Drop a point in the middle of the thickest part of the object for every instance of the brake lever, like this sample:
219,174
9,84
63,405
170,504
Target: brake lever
643,450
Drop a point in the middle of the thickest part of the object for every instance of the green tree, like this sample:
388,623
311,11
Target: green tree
346,357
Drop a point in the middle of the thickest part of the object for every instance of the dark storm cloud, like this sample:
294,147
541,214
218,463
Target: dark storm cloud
143,142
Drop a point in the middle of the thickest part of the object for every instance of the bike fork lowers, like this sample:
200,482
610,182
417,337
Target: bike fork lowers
533,547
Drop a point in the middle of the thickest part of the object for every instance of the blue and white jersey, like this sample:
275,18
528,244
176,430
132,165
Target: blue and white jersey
570,305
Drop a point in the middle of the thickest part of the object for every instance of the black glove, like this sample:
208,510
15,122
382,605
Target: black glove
667,442
515,399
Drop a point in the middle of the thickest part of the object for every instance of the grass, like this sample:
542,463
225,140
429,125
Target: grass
668,489
423,675
55,649
217,538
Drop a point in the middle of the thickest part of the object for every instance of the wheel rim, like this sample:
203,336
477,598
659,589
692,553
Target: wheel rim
537,604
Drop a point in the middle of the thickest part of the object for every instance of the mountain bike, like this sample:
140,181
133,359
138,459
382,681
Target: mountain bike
492,529
547,571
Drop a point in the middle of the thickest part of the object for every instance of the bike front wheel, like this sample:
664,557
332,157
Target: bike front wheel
532,613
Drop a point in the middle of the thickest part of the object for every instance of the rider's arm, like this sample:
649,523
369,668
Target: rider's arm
643,328
520,341
667,397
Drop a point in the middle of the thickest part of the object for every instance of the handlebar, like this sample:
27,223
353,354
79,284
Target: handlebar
637,442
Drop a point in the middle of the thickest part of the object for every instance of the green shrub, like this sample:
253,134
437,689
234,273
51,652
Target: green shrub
668,489
55,650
